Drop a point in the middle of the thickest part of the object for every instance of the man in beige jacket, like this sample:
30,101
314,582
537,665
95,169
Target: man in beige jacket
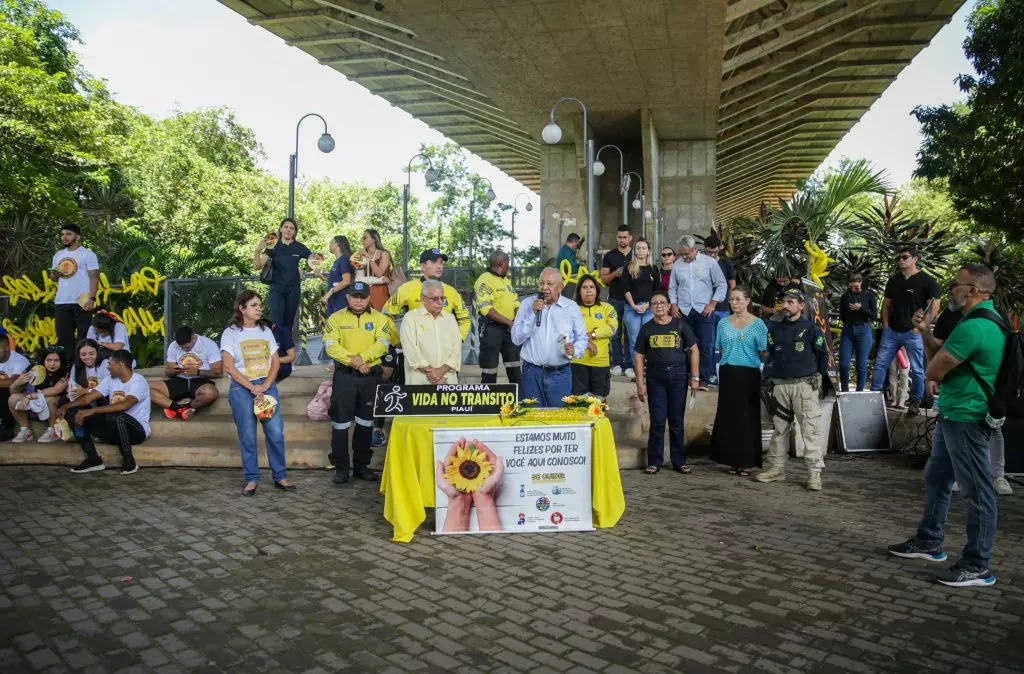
431,341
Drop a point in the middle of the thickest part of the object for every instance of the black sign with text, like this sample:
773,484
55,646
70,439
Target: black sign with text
394,400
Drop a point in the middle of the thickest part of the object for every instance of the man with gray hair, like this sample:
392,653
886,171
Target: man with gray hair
697,286
431,343
551,331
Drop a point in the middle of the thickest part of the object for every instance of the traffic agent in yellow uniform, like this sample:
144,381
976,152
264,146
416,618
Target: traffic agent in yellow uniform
591,373
497,304
357,338
407,297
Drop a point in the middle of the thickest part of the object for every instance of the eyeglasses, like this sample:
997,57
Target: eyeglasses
668,254
659,303
433,298
905,256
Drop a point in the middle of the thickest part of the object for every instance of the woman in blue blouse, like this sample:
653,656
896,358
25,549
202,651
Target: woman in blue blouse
743,341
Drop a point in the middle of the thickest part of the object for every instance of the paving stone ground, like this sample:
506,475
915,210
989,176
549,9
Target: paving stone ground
172,571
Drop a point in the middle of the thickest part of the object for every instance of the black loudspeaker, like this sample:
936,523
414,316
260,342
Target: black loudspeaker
1013,438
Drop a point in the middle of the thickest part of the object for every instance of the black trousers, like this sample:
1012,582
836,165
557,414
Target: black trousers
284,302
70,319
116,428
352,397
495,341
591,379
6,418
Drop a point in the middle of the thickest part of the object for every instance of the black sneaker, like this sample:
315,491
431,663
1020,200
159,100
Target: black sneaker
365,474
340,477
128,468
89,466
909,549
956,576
913,408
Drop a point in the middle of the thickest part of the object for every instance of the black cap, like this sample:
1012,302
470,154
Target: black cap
72,227
432,255
795,293
359,289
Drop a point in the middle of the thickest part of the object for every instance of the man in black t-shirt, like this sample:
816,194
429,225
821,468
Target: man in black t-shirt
666,359
771,298
615,275
907,292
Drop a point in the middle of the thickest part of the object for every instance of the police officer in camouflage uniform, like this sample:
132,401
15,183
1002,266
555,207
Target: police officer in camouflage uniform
798,368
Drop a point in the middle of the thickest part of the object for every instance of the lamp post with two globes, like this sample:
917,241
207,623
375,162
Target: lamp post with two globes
638,202
515,212
325,143
430,175
489,195
623,180
551,134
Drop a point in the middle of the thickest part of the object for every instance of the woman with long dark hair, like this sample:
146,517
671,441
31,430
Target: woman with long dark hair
374,267
37,394
285,256
743,340
857,308
87,370
250,359
108,332
591,372
340,276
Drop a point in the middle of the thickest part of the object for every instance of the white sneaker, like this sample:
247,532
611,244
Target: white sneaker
630,373
956,487
24,435
617,371
1002,486
48,435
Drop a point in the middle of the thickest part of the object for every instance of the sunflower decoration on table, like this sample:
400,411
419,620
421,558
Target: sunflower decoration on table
511,410
594,406
595,411
468,468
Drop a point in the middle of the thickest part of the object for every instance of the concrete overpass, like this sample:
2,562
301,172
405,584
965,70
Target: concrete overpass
718,105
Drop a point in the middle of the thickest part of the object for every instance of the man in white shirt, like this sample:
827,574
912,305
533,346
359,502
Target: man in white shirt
431,342
12,365
551,331
77,272
193,362
698,286
124,421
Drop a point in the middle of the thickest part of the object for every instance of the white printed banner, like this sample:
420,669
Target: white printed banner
513,479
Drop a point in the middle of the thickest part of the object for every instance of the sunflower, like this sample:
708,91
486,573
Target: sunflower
529,401
595,411
570,400
508,409
468,469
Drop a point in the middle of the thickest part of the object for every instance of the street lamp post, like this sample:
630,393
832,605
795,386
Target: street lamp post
325,143
638,202
623,180
431,175
551,134
515,212
489,195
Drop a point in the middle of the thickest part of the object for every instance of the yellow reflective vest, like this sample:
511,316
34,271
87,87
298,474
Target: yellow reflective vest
495,292
408,298
366,335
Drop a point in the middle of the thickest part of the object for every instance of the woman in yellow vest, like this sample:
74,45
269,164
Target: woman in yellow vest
591,373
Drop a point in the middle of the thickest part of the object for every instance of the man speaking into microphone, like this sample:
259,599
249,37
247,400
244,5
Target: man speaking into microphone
551,331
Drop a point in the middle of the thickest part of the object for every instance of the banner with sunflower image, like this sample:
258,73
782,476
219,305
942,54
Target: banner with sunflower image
513,479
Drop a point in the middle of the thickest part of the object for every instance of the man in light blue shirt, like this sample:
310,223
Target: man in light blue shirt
551,332
697,286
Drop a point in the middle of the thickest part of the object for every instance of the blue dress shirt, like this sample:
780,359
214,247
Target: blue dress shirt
540,343
696,283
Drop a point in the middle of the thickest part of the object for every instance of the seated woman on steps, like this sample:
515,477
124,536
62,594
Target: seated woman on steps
36,394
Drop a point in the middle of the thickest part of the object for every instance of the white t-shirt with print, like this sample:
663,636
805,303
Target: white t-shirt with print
94,375
120,334
15,365
116,390
201,356
251,348
73,267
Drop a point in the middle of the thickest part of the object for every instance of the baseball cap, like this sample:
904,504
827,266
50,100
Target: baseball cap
359,289
794,293
432,255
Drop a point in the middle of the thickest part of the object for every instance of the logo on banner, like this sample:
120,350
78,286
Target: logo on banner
394,400
521,520
556,518
543,503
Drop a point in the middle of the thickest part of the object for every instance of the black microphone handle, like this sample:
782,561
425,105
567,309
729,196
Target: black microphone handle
539,314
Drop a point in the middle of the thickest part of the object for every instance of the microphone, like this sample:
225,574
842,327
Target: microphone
539,313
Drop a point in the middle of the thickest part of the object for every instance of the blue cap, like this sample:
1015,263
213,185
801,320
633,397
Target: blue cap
359,289
794,293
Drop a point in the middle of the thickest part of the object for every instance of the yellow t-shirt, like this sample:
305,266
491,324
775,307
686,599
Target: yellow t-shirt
601,320
495,292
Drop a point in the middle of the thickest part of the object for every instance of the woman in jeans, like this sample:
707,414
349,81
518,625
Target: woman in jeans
643,279
743,340
666,358
285,255
857,308
250,359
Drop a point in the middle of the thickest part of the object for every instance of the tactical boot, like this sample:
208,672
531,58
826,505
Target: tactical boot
813,480
775,473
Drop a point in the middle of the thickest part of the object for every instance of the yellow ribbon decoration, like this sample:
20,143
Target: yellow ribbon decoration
818,268
146,280
565,268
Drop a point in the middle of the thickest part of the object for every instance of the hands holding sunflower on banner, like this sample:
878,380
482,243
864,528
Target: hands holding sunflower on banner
469,475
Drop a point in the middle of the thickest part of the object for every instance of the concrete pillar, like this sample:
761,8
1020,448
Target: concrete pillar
686,177
563,188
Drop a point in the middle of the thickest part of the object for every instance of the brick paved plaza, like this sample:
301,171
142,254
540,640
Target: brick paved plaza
171,571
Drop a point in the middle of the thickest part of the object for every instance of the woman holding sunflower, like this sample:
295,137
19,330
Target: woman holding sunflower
590,372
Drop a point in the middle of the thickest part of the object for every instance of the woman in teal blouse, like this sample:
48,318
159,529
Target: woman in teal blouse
743,340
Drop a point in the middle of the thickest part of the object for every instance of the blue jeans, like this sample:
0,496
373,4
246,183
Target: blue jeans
284,303
717,316
548,387
854,339
704,327
960,452
273,430
634,322
888,346
617,354
666,401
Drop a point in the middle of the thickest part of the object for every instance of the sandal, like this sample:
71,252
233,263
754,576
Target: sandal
652,470
734,471
743,472
684,469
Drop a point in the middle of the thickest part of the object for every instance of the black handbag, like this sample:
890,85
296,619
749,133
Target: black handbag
267,272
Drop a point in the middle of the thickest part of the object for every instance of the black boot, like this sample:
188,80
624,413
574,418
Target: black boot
339,454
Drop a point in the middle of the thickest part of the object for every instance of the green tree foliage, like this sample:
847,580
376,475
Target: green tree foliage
978,146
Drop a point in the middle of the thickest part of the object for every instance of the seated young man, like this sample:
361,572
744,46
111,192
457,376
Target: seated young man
123,421
193,362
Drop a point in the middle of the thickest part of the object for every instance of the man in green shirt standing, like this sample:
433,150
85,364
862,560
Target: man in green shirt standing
568,252
960,443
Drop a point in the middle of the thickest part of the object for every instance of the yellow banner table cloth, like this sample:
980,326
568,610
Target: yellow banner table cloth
408,482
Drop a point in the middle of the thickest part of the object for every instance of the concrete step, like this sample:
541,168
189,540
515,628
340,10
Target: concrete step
218,428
